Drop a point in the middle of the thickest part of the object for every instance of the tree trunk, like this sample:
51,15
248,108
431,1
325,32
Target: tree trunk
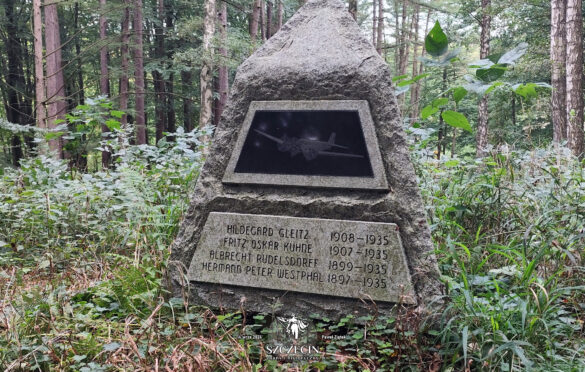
262,21
380,30
558,77
158,81
254,18
125,63
206,76
352,8
104,74
268,19
56,103
223,83
279,15
414,91
482,120
41,113
187,79
81,91
170,105
374,23
575,77
170,83
14,79
139,73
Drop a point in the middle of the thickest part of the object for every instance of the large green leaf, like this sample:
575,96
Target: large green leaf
436,42
490,74
459,93
428,111
456,120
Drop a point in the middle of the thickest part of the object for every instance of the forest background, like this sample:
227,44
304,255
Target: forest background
107,110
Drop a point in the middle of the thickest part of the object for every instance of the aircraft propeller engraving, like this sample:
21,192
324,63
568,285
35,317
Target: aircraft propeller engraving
310,149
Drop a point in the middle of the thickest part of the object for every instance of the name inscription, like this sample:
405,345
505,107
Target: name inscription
330,257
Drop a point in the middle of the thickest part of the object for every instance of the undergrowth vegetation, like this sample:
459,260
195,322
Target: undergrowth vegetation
83,260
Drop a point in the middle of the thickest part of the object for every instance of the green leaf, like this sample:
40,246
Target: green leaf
459,93
398,78
52,135
456,120
439,102
436,42
527,90
113,124
117,114
428,111
491,74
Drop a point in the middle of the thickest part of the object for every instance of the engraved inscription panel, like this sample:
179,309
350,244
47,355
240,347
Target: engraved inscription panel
330,257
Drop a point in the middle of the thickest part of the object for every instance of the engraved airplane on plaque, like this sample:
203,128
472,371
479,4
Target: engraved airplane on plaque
310,148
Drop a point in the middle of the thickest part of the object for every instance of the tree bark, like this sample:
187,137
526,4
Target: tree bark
414,91
124,81
104,73
374,23
575,77
279,15
254,18
262,21
158,81
206,76
558,54
139,73
483,115
56,104
81,88
41,113
223,83
170,83
380,30
268,19
187,79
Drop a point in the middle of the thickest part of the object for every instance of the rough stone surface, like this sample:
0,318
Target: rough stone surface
320,54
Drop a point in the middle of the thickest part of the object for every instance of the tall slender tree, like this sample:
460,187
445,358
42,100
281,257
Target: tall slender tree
254,19
374,23
124,79
56,104
483,114
206,75
139,73
223,84
104,72
380,27
558,55
157,76
41,113
414,91
575,76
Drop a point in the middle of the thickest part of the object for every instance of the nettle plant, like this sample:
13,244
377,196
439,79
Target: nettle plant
482,78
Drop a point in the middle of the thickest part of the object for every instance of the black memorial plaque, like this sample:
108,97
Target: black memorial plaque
311,143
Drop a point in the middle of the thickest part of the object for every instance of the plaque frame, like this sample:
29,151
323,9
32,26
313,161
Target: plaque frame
378,182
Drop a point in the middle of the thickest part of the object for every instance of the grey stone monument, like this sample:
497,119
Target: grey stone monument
308,199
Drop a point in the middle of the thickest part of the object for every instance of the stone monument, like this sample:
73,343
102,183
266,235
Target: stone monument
308,199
